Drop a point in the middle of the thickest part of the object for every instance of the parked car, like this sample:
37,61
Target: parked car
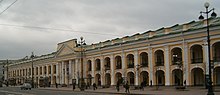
26,86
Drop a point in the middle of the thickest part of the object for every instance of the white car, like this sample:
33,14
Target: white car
26,86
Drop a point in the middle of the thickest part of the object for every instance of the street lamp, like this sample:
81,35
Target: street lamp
81,43
206,5
32,71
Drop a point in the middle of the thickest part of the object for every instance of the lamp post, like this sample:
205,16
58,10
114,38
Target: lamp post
32,71
81,43
206,5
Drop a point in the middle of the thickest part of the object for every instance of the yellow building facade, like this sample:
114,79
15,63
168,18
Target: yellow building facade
168,56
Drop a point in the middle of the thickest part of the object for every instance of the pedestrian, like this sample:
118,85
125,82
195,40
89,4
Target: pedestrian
184,83
56,85
127,87
150,83
142,86
94,86
7,84
49,84
118,86
74,86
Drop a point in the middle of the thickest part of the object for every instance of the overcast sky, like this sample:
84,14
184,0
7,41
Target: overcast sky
38,25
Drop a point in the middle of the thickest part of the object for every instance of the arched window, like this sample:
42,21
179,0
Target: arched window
107,63
130,61
159,58
118,62
196,54
144,59
98,64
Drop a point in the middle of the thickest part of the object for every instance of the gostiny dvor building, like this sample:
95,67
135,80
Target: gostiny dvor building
168,56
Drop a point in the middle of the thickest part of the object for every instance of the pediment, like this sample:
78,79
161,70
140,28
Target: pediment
65,50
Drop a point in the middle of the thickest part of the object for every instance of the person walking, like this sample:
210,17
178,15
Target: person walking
56,85
127,87
118,86
94,86
74,86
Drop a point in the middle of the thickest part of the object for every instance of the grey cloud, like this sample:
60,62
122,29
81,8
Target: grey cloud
100,17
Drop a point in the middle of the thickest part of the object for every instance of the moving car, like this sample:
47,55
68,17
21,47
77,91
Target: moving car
26,86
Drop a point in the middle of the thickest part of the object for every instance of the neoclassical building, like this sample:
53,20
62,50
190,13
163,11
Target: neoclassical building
167,56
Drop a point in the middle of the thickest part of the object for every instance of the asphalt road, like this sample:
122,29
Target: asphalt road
35,91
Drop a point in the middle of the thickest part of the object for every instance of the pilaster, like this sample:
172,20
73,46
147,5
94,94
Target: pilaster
206,59
93,69
62,72
136,65
70,71
185,62
167,65
57,73
123,65
112,70
102,70
52,74
151,73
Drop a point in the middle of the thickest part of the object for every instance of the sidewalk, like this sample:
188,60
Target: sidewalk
147,90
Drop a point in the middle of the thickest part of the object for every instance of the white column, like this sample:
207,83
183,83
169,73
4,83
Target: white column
185,66
65,73
43,70
70,71
62,73
57,73
34,72
135,67
112,70
31,72
47,70
151,73
93,70
52,74
206,59
167,66
38,71
123,65
77,70
102,71
5,74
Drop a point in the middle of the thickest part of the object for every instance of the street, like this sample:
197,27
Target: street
36,91
107,91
